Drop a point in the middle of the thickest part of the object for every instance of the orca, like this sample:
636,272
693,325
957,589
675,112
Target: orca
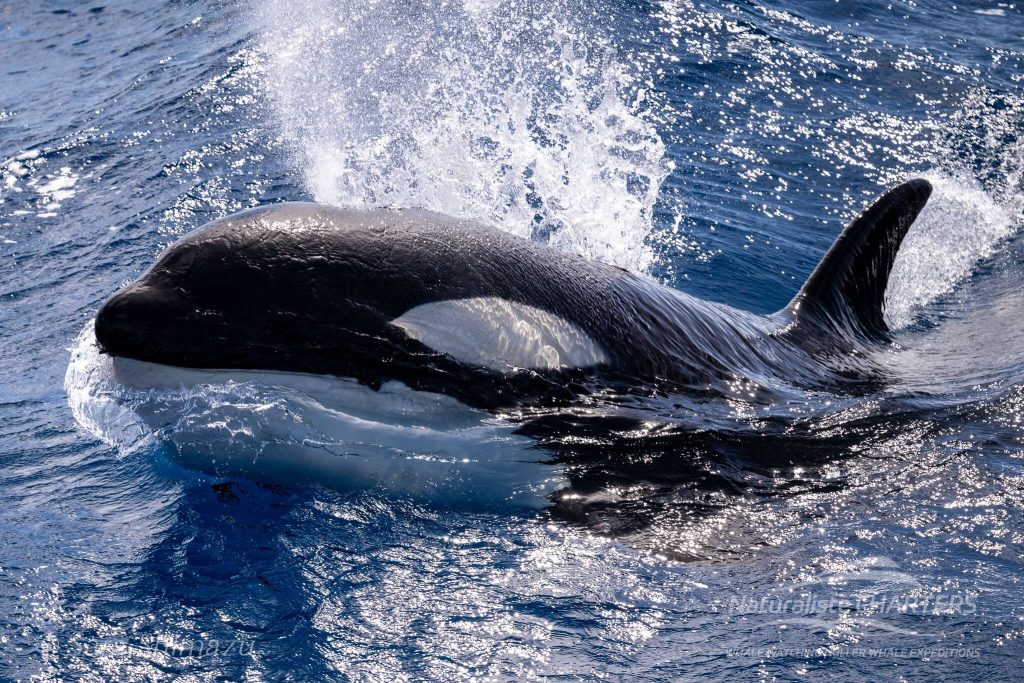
452,307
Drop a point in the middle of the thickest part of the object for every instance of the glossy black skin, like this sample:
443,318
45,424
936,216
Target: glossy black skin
310,288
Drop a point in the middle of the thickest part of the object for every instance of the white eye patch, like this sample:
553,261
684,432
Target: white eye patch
500,334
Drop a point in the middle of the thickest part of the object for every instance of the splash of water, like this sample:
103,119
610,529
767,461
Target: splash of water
961,225
505,111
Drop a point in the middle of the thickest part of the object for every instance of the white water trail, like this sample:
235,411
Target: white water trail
961,225
510,112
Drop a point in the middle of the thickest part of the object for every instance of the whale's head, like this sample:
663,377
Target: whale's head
262,289
170,316
143,320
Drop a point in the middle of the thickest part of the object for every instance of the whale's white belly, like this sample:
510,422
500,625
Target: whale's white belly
289,427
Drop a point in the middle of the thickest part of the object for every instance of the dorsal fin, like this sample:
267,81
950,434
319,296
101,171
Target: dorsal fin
847,289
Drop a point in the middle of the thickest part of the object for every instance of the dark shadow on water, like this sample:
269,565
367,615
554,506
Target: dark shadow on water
653,487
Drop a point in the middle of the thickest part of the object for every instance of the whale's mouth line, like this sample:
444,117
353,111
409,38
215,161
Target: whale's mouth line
119,358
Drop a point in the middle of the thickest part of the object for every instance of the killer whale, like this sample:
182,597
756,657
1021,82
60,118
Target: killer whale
451,307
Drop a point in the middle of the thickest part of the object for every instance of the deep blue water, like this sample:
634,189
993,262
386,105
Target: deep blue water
717,146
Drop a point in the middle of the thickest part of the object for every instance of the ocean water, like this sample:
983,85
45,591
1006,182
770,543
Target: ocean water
718,146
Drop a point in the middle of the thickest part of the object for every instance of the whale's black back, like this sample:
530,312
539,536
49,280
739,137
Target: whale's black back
310,288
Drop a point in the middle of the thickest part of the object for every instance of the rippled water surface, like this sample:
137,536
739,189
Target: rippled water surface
719,147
